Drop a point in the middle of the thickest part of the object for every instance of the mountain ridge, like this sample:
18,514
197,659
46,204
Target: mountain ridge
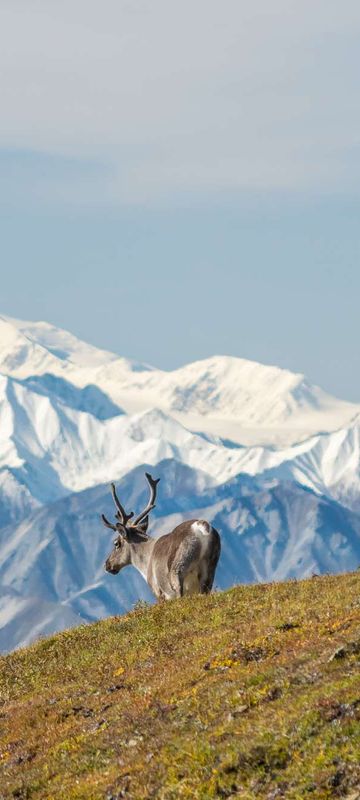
234,398
270,530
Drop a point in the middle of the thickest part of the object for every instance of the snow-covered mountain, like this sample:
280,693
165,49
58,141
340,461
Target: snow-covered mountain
52,448
234,398
272,460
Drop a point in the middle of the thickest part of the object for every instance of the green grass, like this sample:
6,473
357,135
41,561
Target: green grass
250,693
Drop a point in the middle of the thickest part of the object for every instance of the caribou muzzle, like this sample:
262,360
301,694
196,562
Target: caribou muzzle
109,567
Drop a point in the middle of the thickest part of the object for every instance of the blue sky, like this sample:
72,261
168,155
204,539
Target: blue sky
182,179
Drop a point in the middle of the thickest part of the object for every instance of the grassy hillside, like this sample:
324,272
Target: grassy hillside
253,693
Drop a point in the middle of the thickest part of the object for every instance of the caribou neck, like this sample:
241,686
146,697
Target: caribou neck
141,554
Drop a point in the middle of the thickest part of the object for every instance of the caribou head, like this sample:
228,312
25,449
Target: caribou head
130,531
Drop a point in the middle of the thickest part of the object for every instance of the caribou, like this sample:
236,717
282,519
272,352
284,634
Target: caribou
181,562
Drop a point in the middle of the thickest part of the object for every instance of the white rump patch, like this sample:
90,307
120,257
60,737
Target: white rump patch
202,527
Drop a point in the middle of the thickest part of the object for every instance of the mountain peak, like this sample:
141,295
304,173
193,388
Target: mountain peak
58,342
33,348
226,396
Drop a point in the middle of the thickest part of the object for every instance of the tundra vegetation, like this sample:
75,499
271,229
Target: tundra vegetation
250,693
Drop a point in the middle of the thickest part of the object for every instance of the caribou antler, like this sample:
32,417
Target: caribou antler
107,523
151,503
121,514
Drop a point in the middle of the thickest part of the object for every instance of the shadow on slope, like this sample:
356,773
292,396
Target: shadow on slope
90,399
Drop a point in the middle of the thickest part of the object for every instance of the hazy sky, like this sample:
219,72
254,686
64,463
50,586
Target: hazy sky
182,178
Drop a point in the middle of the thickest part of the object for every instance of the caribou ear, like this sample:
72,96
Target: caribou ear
121,529
143,526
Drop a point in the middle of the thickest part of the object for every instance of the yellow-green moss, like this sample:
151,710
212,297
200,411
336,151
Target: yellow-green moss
252,693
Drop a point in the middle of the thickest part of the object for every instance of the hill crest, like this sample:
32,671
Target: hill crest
249,693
